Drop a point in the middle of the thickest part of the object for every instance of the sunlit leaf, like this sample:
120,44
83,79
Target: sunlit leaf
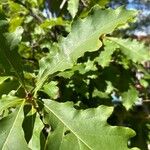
9,58
83,37
88,127
9,101
11,132
133,50
105,56
130,97
73,7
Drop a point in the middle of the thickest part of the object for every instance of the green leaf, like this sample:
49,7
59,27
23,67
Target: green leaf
130,97
102,3
9,58
134,50
11,133
49,23
51,89
86,128
3,78
83,37
105,56
34,143
9,101
8,86
73,7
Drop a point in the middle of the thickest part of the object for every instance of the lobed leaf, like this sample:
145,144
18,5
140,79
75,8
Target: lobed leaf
4,78
34,143
83,37
133,50
105,56
84,129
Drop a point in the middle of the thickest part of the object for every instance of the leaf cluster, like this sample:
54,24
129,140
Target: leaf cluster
66,82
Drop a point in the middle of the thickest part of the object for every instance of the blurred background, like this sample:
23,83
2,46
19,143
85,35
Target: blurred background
139,30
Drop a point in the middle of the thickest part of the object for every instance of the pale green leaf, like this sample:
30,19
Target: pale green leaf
83,37
129,98
133,50
105,56
73,7
86,128
11,132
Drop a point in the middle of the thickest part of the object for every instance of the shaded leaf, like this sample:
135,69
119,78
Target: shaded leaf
8,86
3,78
102,3
49,23
88,127
9,58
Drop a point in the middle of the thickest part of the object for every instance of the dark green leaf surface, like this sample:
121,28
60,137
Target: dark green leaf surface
3,78
34,143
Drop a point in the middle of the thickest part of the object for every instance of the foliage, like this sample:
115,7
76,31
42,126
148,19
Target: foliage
66,82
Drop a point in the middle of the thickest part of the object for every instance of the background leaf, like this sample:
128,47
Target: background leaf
105,56
9,58
133,50
130,97
73,7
